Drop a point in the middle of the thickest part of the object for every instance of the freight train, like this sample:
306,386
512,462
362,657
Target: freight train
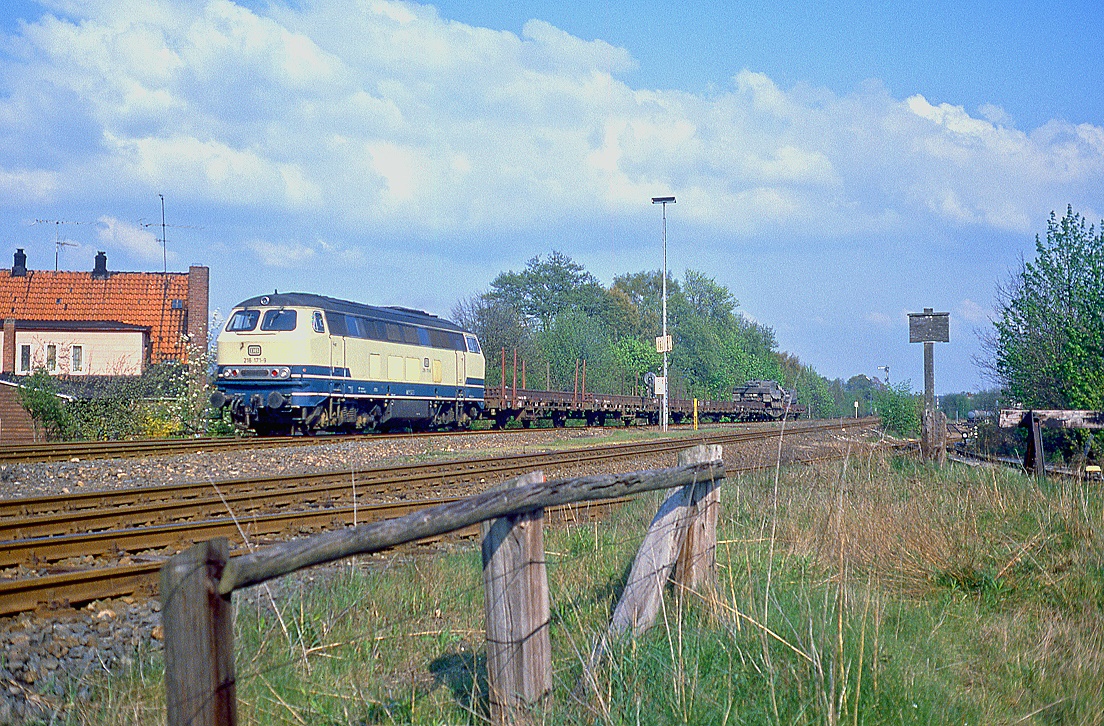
301,363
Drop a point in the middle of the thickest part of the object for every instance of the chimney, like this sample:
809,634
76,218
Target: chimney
7,362
19,269
99,272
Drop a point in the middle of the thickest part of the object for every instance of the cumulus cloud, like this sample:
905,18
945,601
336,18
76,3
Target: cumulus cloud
385,115
135,239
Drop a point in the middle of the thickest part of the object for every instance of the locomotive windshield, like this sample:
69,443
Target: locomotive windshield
243,320
278,320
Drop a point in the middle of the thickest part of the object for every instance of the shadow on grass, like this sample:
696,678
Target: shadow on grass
465,675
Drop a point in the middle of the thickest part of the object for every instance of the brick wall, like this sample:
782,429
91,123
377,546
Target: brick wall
7,360
198,281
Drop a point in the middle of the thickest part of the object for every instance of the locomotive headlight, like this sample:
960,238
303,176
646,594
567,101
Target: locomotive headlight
285,372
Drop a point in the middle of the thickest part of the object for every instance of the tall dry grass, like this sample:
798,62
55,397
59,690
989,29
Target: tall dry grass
876,590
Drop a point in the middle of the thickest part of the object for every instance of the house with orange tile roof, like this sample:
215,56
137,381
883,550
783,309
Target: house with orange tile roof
101,322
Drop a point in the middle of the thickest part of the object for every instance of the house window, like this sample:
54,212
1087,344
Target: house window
78,359
51,358
24,359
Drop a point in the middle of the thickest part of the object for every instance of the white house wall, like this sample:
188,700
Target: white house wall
103,353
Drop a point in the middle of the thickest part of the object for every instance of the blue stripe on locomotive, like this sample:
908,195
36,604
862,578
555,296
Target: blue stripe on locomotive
311,385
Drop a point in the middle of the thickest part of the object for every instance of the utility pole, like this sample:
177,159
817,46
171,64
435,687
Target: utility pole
665,345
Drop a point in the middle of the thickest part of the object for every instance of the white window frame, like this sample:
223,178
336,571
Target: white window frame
76,359
54,367
30,358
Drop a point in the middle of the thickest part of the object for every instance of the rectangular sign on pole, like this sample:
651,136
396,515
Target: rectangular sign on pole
929,327
660,386
664,344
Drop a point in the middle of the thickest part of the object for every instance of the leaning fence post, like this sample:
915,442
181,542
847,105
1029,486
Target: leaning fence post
696,567
199,638
515,583
643,594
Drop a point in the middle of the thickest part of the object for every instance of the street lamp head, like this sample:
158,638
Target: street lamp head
663,200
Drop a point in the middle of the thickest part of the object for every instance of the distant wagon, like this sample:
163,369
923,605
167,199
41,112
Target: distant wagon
773,400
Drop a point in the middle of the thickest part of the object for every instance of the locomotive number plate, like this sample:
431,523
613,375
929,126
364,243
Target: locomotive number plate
253,350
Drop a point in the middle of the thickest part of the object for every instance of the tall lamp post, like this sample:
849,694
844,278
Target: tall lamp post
664,414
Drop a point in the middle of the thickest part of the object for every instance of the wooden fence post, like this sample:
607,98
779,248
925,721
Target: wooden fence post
1035,458
643,594
199,638
515,585
696,567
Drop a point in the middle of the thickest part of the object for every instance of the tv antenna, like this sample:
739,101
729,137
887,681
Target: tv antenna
58,241
164,227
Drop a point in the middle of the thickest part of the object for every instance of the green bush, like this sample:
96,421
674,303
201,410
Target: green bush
39,395
899,408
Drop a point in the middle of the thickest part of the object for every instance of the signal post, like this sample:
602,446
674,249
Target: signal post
930,328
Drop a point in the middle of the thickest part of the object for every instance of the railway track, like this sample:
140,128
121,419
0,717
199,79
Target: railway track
44,532
90,450
85,450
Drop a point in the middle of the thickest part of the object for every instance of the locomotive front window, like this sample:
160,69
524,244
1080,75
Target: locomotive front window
278,320
473,344
243,320
316,321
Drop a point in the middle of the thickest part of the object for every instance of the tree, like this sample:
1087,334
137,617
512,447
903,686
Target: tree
545,287
39,395
1048,342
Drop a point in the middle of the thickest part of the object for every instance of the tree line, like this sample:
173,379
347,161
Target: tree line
555,313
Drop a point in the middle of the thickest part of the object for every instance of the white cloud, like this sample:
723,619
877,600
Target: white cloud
135,239
281,254
971,312
386,116
880,319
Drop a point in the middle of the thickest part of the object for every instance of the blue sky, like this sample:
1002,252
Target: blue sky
836,167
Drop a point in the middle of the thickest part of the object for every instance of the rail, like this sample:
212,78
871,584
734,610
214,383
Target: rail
41,532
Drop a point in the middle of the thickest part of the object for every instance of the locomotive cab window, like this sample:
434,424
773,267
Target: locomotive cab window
316,322
278,320
473,344
243,320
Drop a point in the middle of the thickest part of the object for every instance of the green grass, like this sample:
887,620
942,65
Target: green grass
889,592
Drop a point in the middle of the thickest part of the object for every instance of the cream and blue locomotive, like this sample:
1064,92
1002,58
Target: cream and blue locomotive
296,362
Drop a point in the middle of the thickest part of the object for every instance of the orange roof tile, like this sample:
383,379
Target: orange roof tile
137,298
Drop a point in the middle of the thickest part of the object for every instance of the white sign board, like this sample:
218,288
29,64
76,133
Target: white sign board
664,344
660,386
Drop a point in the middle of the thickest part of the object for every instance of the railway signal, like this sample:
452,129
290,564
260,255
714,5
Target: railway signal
930,327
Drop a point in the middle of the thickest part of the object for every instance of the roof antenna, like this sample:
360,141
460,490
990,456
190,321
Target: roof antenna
58,242
164,242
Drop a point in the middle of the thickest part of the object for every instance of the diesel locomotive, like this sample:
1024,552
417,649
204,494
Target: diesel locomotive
297,362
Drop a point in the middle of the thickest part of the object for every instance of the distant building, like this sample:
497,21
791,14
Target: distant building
100,322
